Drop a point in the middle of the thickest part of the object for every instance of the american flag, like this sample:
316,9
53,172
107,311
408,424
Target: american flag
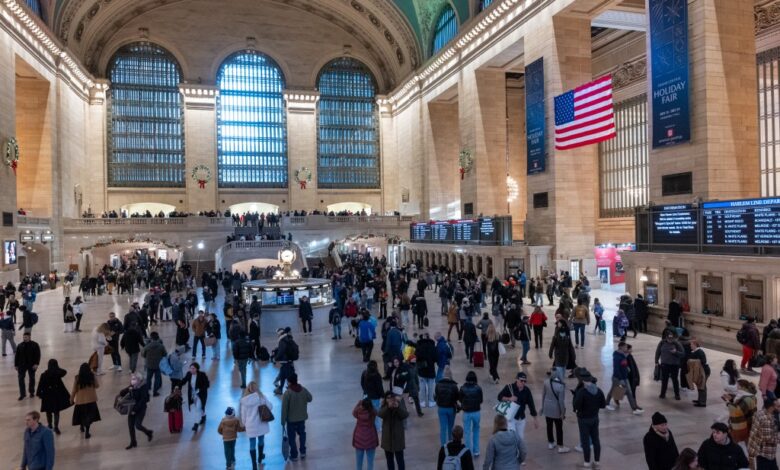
585,115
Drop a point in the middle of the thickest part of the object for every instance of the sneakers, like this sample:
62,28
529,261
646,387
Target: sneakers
610,408
563,450
578,448
431,404
638,411
118,368
587,465
551,445
423,404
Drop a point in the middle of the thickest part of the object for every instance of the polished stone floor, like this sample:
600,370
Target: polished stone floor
331,371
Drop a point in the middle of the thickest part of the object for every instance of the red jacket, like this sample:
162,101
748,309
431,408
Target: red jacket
537,318
365,435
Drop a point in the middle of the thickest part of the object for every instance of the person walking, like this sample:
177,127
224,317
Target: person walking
173,405
38,453
68,318
116,328
668,355
426,369
588,401
520,394
470,397
7,333
100,336
561,349
455,454
132,342
139,392
242,352
214,334
53,394
741,409
446,396
295,403
598,313
334,319
229,428
687,460
750,340
287,353
719,452
492,352
84,396
524,336
393,413
554,409
252,420
366,334
660,449
580,320
26,361
699,372
762,446
506,449
78,312
443,355
365,439
620,376
538,321
153,353
176,361
197,391
306,314
199,325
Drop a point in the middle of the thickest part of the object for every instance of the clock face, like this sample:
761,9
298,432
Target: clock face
287,256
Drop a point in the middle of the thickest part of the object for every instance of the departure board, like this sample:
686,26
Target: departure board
420,232
747,222
675,225
466,230
441,231
488,231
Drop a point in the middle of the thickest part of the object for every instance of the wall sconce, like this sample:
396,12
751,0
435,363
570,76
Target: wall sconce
743,289
672,280
706,284
643,278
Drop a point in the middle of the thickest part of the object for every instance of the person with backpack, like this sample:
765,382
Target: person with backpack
455,455
598,312
580,320
750,340
470,397
334,318
447,397
366,334
29,319
287,353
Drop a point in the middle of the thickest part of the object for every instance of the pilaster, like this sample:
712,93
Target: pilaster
200,144
302,147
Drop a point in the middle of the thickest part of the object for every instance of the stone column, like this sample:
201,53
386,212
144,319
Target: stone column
95,194
443,184
388,162
302,147
571,176
482,116
200,144
723,152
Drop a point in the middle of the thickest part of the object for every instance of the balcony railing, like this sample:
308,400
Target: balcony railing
24,220
325,221
151,221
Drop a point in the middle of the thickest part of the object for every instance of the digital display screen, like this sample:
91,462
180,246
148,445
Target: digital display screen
466,230
675,225
285,298
420,232
488,231
9,252
300,293
441,231
269,298
742,223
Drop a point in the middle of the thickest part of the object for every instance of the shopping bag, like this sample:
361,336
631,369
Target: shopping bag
618,392
501,349
507,409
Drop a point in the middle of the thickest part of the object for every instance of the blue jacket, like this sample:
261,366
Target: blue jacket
619,366
394,342
366,331
38,448
443,352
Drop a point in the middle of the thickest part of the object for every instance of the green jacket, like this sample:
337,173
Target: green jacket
294,404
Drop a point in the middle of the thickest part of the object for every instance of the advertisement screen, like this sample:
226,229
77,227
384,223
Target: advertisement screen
299,294
9,252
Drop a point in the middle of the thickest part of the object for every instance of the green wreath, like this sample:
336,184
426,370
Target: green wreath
201,174
12,153
303,176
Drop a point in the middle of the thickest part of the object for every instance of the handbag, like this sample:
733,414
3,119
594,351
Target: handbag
501,349
108,350
657,373
285,446
124,404
507,409
210,341
265,414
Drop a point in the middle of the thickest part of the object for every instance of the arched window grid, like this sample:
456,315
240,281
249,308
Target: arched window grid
35,7
347,127
446,29
251,123
483,4
145,118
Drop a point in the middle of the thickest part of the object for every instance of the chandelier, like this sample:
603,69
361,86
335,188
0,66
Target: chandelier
512,189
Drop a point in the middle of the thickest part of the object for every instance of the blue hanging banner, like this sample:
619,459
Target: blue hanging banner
669,89
535,117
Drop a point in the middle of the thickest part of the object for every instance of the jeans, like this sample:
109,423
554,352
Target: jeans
377,420
31,374
195,341
579,334
668,371
154,373
589,435
293,429
526,348
116,359
763,463
538,298
471,428
629,393
394,458
230,452
337,330
458,328
439,372
557,423
369,454
427,387
469,351
242,371
8,337
382,312
133,361
215,350
446,422
286,370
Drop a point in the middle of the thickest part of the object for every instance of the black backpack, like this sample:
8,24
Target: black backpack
263,354
742,336
293,353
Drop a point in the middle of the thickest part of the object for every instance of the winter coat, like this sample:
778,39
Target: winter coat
426,358
505,451
52,391
364,436
372,385
304,311
153,353
553,398
469,333
393,436
741,411
588,401
660,453
201,388
443,352
199,326
562,349
470,396
295,404
413,383
249,413
446,393
714,456
131,341
229,428
669,352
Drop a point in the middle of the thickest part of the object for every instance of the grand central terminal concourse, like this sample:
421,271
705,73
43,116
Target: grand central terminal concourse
391,234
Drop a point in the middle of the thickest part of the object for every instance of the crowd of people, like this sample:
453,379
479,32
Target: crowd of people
389,306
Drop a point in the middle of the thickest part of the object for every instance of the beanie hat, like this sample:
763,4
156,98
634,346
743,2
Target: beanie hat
229,411
658,418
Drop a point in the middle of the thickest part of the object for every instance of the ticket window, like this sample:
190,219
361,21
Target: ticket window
751,299
650,288
678,290
712,295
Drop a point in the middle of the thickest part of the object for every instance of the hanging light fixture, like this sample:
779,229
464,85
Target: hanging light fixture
512,189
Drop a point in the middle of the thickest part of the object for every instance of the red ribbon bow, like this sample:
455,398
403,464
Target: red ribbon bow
303,184
202,184
462,173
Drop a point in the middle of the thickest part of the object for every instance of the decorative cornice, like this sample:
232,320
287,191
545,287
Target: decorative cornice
97,94
198,96
629,72
766,16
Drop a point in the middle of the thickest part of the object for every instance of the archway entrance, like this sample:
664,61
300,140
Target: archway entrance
352,207
154,208
259,207
34,258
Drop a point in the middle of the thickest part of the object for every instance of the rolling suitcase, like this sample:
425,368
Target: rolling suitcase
478,358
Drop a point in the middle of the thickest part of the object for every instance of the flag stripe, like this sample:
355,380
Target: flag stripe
585,115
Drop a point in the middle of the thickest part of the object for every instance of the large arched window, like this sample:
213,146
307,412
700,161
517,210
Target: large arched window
483,4
146,120
446,29
35,7
251,123
348,132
